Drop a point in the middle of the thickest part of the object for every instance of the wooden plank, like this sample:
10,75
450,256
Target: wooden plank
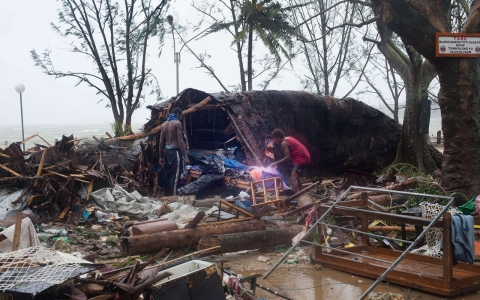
90,189
234,207
64,212
18,230
40,167
447,250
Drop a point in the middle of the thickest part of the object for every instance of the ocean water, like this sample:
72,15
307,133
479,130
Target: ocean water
10,134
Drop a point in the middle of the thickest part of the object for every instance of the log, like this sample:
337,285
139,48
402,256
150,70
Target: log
251,240
382,200
174,239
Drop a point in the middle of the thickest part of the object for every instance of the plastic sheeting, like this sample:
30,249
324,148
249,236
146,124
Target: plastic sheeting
28,236
7,208
124,203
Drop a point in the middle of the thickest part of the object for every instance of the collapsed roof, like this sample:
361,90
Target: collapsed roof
340,134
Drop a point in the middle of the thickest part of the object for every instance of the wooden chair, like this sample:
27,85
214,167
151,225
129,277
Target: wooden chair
278,184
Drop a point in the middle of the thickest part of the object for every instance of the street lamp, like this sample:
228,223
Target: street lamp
176,57
20,88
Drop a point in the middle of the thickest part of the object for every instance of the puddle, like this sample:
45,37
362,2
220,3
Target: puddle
327,284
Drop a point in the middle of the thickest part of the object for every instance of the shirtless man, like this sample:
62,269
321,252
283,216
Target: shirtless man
294,150
172,150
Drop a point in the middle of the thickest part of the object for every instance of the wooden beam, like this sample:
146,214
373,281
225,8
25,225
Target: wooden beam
40,167
90,188
18,229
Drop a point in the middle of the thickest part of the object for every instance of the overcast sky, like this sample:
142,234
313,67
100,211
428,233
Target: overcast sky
25,25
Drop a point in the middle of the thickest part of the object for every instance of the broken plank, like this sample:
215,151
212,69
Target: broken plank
234,207
90,189
64,212
40,167
18,230
65,176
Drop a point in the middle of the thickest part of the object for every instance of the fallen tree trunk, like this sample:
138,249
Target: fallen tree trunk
174,239
250,240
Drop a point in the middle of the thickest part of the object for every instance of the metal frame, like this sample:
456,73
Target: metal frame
365,233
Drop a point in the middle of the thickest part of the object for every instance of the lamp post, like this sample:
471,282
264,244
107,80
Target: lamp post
20,88
176,57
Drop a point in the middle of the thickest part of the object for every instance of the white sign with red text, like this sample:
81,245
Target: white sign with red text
457,45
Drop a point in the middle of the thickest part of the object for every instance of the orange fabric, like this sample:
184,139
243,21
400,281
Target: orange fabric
256,173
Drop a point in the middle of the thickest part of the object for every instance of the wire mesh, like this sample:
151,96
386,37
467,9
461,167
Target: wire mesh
35,269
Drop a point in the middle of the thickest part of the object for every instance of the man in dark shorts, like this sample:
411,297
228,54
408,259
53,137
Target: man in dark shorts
295,151
172,150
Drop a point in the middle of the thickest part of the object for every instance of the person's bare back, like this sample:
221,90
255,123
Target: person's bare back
171,137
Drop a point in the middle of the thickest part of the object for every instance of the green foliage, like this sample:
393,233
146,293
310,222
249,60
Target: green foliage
120,129
406,170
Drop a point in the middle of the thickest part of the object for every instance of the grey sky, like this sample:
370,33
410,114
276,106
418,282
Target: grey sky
25,25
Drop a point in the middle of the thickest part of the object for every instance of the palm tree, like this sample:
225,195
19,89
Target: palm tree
269,21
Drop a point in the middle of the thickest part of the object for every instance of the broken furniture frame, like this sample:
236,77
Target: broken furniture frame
278,184
226,180
435,275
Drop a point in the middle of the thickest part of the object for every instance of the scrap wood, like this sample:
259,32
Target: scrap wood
242,137
33,136
65,176
26,190
40,167
4,155
303,191
9,170
234,207
18,229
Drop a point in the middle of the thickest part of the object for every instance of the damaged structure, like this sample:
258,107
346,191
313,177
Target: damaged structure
340,134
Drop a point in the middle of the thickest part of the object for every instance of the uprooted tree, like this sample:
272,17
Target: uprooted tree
416,23
113,36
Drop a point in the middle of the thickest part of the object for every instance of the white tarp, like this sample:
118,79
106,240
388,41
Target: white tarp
119,201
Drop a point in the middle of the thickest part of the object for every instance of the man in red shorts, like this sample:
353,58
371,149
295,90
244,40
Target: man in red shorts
295,151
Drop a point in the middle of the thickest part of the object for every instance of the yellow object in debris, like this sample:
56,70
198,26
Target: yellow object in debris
476,226
350,245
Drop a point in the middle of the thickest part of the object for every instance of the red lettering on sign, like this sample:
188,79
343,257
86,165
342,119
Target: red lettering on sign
460,38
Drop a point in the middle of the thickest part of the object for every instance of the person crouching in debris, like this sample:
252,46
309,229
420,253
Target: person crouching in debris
294,150
173,150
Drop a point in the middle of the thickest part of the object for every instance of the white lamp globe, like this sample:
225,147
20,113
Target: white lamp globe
20,88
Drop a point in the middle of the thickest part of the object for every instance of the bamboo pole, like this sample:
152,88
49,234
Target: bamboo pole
9,170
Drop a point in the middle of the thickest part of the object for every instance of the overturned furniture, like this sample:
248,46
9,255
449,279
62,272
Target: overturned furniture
431,274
